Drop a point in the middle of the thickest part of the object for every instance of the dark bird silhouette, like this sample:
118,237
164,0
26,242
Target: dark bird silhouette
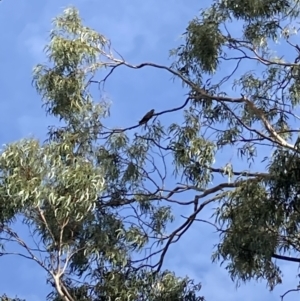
147,117
184,70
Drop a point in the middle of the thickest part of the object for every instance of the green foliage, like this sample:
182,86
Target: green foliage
253,221
100,200
251,10
73,50
135,286
5,298
71,190
259,218
204,44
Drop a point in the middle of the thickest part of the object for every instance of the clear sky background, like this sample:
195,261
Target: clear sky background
141,31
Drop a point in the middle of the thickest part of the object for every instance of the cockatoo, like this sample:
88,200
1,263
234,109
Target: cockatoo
147,117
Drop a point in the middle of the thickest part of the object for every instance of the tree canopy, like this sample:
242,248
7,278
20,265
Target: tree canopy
95,197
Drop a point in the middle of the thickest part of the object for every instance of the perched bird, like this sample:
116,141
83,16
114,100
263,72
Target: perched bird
184,70
147,117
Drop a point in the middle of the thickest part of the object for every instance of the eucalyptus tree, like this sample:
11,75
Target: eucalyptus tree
256,117
72,190
69,191
251,113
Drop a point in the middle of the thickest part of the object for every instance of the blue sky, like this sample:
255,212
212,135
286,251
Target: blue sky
141,31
